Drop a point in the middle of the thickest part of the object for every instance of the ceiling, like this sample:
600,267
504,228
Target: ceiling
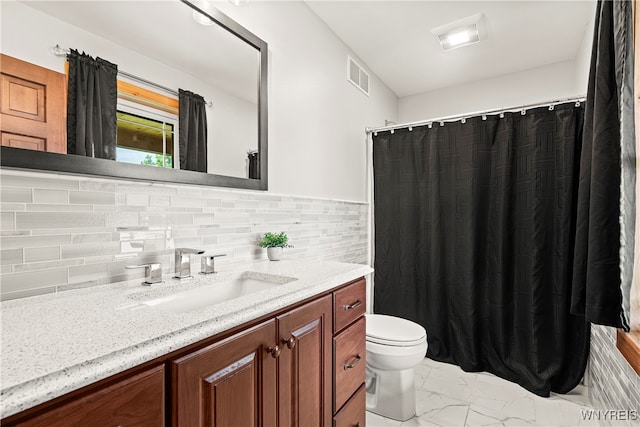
394,38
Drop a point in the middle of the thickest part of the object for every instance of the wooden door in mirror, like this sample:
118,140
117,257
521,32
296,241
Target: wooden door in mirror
32,106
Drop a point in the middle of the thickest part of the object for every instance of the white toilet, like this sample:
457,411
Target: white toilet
395,346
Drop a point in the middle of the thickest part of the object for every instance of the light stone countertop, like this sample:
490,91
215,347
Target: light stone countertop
56,343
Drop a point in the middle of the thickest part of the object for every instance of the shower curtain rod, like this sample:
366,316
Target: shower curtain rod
456,117
57,50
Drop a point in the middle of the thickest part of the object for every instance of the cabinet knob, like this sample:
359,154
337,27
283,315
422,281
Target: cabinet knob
274,351
352,306
291,342
353,363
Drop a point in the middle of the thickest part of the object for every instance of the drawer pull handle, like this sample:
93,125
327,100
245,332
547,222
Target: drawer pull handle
353,363
291,342
352,306
274,351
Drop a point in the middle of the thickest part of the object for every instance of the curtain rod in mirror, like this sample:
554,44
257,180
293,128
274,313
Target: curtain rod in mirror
58,50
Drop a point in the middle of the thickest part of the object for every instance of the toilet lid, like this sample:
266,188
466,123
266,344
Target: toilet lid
395,331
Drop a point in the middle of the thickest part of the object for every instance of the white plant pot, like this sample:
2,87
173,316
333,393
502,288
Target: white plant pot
274,254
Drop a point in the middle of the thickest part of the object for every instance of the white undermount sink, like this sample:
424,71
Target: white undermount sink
217,292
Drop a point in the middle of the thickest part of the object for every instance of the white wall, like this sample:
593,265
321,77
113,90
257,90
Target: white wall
317,143
542,84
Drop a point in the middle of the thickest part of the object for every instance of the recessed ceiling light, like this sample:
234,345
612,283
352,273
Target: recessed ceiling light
238,2
462,32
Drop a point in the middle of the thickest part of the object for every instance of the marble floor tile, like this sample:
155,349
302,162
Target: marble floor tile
448,396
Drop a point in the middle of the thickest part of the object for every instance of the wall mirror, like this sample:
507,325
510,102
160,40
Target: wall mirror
159,47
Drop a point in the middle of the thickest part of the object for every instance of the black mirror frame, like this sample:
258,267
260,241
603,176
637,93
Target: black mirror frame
54,162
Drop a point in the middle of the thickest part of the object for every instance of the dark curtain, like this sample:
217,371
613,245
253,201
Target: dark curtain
254,165
596,276
474,234
91,106
192,121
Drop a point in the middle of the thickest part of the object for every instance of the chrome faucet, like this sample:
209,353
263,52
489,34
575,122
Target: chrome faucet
183,262
207,265
152,273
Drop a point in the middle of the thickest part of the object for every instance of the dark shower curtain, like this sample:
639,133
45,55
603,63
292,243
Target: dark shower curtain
192,121
92,97
474,232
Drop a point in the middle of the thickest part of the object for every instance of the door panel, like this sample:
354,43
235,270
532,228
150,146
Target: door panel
21,141
306,365
32,105
232,382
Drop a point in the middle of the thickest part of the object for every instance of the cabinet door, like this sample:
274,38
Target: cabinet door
135,401
229,383
305,365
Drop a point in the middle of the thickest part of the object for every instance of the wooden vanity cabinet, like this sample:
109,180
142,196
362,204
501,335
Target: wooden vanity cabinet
137,401
275,374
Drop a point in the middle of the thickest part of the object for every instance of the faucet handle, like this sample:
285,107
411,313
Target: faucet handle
188,251
152,272
207,263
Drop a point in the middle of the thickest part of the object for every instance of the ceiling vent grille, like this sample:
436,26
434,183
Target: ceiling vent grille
357,76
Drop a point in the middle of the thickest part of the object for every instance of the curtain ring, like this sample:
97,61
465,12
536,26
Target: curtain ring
375,134
551,107
410,128
463,120
577,103
523,112
502,114
484,117
441,123
392,131
429,125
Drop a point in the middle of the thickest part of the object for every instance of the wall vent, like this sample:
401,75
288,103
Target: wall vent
358,76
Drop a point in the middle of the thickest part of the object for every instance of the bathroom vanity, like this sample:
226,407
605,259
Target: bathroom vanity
291,354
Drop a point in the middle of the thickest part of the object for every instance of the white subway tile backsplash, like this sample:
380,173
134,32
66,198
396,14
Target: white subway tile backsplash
7,221
16,195
18,268
58,208
36,180
91,234
32,280
6,207
53,220
86,250
41,254
11,256
5,296
50,196
34,241
133,199
92,198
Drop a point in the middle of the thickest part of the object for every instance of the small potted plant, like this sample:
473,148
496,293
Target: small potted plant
274,244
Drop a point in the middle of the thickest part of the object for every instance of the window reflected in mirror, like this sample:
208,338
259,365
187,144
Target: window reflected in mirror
146,140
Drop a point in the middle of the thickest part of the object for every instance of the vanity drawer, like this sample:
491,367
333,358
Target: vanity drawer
353,414
348,363
348,304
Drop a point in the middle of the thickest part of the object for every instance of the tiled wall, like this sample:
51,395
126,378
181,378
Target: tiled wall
61,232
614,385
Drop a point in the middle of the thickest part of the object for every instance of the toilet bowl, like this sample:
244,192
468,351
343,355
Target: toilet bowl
394,346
